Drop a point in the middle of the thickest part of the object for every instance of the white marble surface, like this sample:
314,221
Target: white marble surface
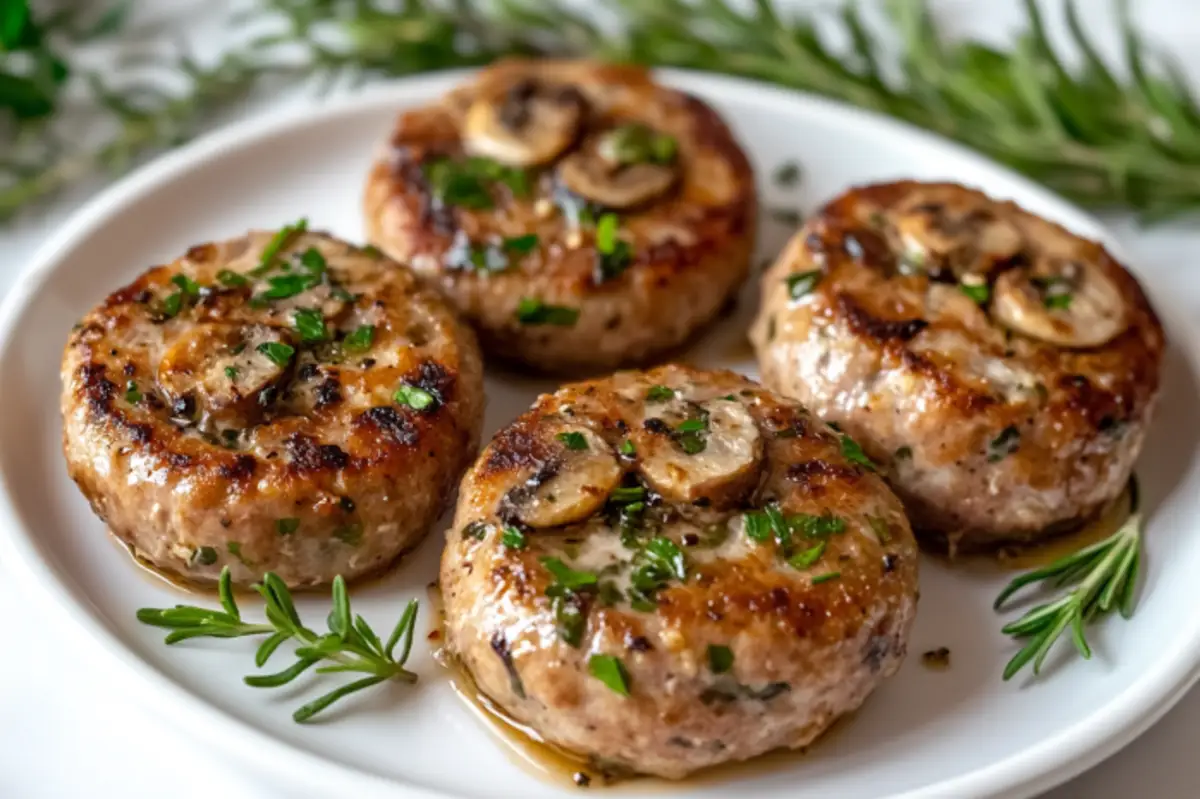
63,734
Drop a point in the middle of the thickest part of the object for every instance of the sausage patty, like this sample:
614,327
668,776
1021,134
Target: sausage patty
580,215
671,569
282,402
1000,369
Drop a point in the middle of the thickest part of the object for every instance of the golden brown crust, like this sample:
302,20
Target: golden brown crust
808,640
691,247
905,360
177,469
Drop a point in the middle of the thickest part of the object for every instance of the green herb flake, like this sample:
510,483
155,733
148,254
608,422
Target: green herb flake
204,556
521,245
568,578
902,453
1058,302
231,372
415,397
806,558
186,284
801,284
276,245
360,340
854,453
133,394
627,448
623,495
532,311
235,548
281,287
826,577
610,671
279,353
287,526
574,441
1003,445
512,537
787,175
659,394
173,304
720,659
477,530
349,534
758,526
881,528
635,143
231,279
978,293
310,324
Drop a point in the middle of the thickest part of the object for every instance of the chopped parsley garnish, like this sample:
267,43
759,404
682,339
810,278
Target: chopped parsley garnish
659,394
573,440
279,353
610,671
627,448
627,494
287,526
720,658
1058,302
512,537
281,287
801,284
613,255
1056,292
312,260
133,394
634,143
880,527
172,304
978,293
1004,444
758,526
787,174
655,565
186,284
235,549
477,530
690,434
415,397
360,340
227,277
275,245
902,453
567,577
826,577
522,245
204,556
854,453
807,557
532,311
310,324
468,183
231,372
349,534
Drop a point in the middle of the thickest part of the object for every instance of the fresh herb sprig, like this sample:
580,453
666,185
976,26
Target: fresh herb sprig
349,646
1105,579
1088,132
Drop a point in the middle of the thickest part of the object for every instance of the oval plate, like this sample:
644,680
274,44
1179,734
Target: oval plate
956,733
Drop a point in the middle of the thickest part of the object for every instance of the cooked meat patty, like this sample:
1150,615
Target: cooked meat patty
580,215
278,402
999,369
671,569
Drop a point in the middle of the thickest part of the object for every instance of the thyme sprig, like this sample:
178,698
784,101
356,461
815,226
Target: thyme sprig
1086,131
1104,577
349,646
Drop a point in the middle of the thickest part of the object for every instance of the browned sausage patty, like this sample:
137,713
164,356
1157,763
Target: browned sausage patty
502,196
306,412
672,569
1000,369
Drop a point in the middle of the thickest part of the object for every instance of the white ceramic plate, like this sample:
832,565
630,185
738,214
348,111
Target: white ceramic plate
956,733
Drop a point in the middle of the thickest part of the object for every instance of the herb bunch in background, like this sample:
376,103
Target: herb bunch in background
1123,134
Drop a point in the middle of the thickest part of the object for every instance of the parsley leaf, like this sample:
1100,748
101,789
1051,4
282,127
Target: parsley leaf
415,397
310,324
720,658
532,311
610,671
279,353
573,440
360,340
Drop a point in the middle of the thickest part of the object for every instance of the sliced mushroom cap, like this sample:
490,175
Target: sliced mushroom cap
964,238
224,370
527,124
1065,302
691,451
622,168
573,485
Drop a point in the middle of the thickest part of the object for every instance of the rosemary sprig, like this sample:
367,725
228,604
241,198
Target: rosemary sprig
1105,578
350,645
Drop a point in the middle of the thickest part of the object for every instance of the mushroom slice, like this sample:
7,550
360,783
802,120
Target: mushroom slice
573,484
1061,301
699,451
623,167
970,239
227,371
526,124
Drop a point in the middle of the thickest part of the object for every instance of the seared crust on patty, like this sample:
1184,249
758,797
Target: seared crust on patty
745,618
1001,370
223,410
687,210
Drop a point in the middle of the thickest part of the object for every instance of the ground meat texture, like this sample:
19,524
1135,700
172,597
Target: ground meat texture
495,196
999,370
764,591
220,410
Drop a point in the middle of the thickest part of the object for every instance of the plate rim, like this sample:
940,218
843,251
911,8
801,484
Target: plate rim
1033,769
